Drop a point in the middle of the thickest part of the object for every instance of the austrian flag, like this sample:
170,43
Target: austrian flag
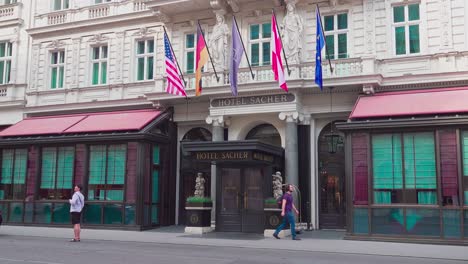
276,49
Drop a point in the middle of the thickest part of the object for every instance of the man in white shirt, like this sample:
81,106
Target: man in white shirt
76,205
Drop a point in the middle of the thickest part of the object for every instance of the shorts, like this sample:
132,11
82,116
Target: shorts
76,218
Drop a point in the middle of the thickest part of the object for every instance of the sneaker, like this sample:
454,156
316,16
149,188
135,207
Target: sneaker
296,238
276,236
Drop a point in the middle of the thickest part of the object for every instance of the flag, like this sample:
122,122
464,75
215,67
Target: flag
276,49
236,56
175,85
318,51
201,58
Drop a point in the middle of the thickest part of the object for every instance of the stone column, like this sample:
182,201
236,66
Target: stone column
218,135
291,150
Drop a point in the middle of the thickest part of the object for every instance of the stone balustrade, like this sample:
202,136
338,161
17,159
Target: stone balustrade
11,11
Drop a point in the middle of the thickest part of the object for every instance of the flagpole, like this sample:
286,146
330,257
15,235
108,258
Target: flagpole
208,50
245,52
324,39
281,39
177,62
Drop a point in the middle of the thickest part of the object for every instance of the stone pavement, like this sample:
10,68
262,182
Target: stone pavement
314,241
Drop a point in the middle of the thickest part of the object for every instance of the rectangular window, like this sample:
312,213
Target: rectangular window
7,2
336,36
13,174
189,53
57,65
464,139
415,181
406,21
145,60
107,165
57,173
101,1
259,39
99,65
5,61
61,4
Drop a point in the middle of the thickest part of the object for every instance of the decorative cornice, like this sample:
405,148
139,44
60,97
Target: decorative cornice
161,16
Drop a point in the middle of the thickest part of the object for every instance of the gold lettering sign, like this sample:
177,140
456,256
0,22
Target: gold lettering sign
224,155
261,156
253,100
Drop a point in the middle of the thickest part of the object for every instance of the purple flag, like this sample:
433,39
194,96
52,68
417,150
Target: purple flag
236,56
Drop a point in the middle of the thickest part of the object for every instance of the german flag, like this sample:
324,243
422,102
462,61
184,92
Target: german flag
201,58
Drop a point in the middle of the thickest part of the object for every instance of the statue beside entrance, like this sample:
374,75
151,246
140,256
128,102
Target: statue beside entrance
199,185
277,185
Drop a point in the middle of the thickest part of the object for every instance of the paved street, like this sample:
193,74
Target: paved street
34,250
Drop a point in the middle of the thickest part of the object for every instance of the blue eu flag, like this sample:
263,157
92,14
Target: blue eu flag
318,52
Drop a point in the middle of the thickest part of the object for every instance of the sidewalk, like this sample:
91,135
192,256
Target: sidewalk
317,241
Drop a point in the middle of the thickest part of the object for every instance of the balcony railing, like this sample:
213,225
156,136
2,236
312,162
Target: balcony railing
10,93
57,18
11,11
100,11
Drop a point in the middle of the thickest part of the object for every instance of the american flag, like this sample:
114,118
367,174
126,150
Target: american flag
175,85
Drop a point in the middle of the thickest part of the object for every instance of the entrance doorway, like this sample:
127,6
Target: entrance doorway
240,204
331,182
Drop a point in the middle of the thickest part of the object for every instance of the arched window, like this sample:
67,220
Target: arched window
197,134
266,133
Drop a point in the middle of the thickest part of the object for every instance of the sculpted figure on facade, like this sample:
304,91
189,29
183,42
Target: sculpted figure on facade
199,185
292,32
218,42
277,185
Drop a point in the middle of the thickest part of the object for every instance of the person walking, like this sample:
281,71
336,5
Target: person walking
76,206
287,206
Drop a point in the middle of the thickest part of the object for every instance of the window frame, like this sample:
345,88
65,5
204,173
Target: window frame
146,55
336,33
64,5
100,61
7,59
406,24
261,40
61,54
56,176
12,185
98,2
188,50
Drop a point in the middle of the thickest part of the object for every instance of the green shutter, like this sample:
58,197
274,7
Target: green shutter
95,73
329,23
254,32
21,161
382,197
427,197
414,39
116,164
413,12
255,54
342,46
398,14
48,167
343,21
386,158
97,165
156,152
266,30
420,167
400,41
66,158
103,72
330,47
141,69
7,166
266,53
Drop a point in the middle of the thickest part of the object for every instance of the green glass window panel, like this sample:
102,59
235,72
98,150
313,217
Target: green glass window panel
330,47
53,78
343,21
155,187
116,164
150,68
361,221
95,73
2,70
65,167
266,30
329,23
382,197
414,38
96,53
2,49
129,214
28,212
2,194
156,153
451,223
61,214
140,47
466,197
48,168
342,46
190,41
9,51
62,57
427,197
92,214
61,77
387,164
57,4
154,214
398,14
150,46
54,58
254,32
16,213
141,69
190,61
113,214
43,213
388,221
114,195
103,72
413,12
255,54
266,53
423,222
7,166
7,71
66,4
400,42
21,159
97,160
420,167
104,52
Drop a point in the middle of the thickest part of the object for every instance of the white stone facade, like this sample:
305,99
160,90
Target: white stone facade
371,64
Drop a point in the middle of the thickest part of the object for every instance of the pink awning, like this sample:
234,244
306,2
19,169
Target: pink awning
82,123
412,103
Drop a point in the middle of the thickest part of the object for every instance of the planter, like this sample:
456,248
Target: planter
198,214
272,217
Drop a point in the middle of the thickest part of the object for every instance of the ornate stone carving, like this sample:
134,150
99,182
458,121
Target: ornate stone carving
277,185
218,41
161,17
217,121
445,24
56,44
292,33
98,38
291,116
143,32
199,185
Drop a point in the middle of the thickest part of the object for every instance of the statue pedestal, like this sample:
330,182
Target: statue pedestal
198,219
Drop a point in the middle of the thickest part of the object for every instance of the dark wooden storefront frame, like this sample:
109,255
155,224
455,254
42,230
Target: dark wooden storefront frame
404,125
